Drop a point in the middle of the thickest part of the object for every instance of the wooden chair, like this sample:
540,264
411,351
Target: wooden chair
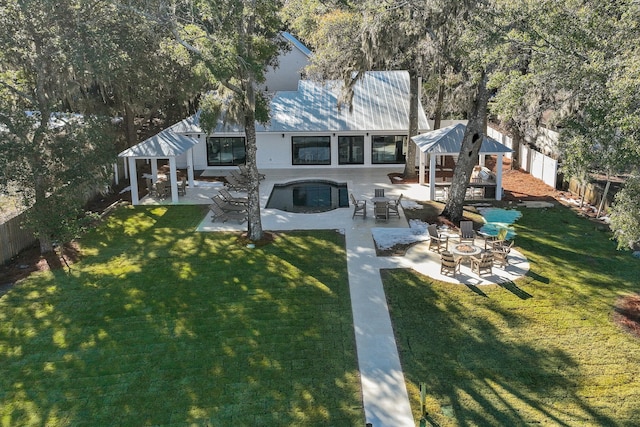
482,265
359,207
394,206
467,233
226,206
381,211
378,192
499,240
151,187
437,241
224,216
182,187
163,189
232,199
500,254
448,264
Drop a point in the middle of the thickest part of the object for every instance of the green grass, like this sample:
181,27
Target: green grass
160,325
543,350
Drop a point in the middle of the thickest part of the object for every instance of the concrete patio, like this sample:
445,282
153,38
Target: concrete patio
385,398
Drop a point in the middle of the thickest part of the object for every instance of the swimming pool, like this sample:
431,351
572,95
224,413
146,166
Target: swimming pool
310,196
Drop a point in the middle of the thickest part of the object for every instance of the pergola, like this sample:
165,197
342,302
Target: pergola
164,145
447,141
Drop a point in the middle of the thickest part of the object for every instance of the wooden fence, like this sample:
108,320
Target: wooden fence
14,238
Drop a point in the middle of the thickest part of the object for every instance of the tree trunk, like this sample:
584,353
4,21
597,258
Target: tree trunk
604,197
410,157
516,138
130,125
471,143
437,115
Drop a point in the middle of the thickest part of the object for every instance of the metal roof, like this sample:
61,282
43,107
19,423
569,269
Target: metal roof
297,43
380,103
164,144
448,140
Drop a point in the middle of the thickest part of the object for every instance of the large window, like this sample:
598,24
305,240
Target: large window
351,150
387,149
225,151
311,150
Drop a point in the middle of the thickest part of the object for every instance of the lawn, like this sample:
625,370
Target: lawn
543,350
160,325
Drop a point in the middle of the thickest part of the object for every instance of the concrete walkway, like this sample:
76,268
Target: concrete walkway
385,398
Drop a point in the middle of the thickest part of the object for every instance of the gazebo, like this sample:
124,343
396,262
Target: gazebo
165,145
447,142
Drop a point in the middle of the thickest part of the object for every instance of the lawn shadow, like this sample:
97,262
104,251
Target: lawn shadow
514,289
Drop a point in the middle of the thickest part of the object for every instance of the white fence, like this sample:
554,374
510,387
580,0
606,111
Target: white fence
531,161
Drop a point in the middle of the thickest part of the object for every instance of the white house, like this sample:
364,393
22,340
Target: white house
307,127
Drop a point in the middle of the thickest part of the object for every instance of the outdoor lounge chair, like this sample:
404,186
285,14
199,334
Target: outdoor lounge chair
499,240
448,264
381,211
467,233
228,207
241,178
437,241
394,206
483,264
359,207
229,198
234,184
223,216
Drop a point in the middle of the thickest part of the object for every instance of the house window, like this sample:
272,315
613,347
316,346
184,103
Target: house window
311,150
351,150
225,151
387,149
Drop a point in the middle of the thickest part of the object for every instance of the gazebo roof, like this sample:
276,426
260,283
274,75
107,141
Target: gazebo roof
448,140
162,145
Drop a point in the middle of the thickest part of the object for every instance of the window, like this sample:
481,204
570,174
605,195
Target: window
225,151
351,150
387,149
311,150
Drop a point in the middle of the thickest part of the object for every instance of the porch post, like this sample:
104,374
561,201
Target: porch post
173,178
133,180
421,168
499,176
116,178
126,169
190,167
154,169
432,176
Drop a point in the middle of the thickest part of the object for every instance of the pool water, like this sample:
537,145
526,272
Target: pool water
311,196
497,219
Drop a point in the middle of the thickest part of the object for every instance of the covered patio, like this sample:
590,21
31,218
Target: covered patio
165,145
447,141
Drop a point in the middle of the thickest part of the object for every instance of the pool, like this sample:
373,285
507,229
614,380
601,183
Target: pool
497,219
311,196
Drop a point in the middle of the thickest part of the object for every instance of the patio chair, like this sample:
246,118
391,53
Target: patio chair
359,207
500,254
226,206
467,233
229,198
163,189
224,216
436,240
182,187
482,265
378,192
499,240
381,211
448,264
394,206
151,187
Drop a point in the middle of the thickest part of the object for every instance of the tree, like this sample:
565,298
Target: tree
235,40
54,158
625,214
